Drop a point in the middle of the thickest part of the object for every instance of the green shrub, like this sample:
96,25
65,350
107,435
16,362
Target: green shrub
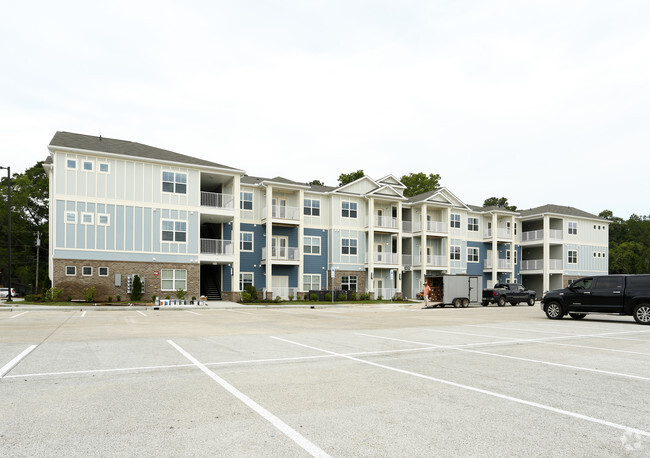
119,298
110,298
136,288
153,298
193,298
167,297
341,297
313,297
245,296
365,296
353,296
290,297
33,298
53,294
89,294
253,292
180,293
380,297
328,297
69,298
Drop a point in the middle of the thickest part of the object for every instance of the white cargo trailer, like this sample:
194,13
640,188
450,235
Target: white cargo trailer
456,290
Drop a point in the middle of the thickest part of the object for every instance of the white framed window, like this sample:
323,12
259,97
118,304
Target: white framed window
472,254
310,282
245,279
246,200
174,231
246,241
88,166
174,182
472,224
71,163
71,217
173,279
454,221
349,283
312,245
454,253
103,167
87,218
71,271
102,271
103,219
312,207
573,228
87,271
349,246
348,209
572,257
514,253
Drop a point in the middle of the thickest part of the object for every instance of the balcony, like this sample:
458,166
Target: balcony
281,212
217,207
432,260
502,264
216,250
538,264
439,227
385,258
501,233
282,255
534,236
386,222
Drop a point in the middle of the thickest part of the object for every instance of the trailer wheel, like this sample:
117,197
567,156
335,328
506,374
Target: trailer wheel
457,303
501,302
465,302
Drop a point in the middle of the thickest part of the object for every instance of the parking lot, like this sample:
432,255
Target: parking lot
384,380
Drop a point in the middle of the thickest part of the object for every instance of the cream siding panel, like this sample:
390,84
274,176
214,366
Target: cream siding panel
147,183
138,193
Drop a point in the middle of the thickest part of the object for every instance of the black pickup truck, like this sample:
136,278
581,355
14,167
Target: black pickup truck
508,292
619,294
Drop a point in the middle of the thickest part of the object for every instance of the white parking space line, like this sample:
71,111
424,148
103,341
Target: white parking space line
194,313
83,314
143,314
596,348
11,364
478,390
536,361
15,316
606,335
291,433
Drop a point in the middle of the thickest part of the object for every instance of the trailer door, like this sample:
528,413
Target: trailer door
473,289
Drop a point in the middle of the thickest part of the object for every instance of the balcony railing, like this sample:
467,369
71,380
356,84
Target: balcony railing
436,226
282,212
502,233
282,254
530,236
282,291
387,222
432,226
538,264
217,200
218,247
385,258
432,260
502,263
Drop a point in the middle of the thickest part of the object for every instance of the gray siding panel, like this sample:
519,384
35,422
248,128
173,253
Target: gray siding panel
148,234
119,227
137,230
129,230
60,223
110,230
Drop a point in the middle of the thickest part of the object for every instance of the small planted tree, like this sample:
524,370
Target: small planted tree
136,288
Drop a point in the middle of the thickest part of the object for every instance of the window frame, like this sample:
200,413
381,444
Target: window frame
310,209
71,164
241,280
99,167
175,231
350,246
311,245
242,242
243,201
352,210
454,250
87,214
454,220
474,257
99,272
90,164
74,271
102,215
176,281
83,271
346,281
177,186
572,254
572,227
311,282
472,224
73,214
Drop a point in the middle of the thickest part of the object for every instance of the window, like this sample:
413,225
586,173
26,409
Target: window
174,231
103,167
246,241
573,228
585,283
70,271
245,279
88,166
71,164
87,218
312,207
349,246
102,271
472,224
246,200
310,282
472,254
174,182
173,279
348,209
70,217
572,257
515,256
103,219
454,253
312,245
349,283
87,271
454,221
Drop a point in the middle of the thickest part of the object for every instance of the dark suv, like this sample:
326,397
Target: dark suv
619,294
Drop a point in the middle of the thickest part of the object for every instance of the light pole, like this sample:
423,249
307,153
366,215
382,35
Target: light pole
9,299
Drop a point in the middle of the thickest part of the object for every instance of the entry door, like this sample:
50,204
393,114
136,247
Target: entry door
280,206
279,246
280,285
380,252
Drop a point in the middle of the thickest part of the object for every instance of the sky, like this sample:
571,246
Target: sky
542,102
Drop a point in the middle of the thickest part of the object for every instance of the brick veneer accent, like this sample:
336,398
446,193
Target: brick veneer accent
338,278
105,286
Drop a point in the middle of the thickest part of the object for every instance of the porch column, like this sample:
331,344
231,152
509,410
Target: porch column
400,265
301,240
423,244
269,237
513,249
495,249
371,245
236,261
546,276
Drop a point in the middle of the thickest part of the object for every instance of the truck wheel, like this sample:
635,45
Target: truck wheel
531,301
554,311
577,316
501,301
485,303
457,303
466,302
642,313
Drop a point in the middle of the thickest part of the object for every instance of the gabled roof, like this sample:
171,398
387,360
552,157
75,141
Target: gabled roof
90,144
559,210
391,180
491,208
260,181
387,191
372,185
439,196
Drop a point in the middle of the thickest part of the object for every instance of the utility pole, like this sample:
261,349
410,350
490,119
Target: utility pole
9,299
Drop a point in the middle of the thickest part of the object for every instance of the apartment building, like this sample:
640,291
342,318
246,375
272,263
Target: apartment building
119,209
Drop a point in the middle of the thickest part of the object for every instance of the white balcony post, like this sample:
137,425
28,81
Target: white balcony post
371,245
513,249
234,279
495,248
269,239
399,247
301,239
546,279
423,244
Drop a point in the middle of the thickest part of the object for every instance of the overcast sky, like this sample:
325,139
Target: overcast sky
540,102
